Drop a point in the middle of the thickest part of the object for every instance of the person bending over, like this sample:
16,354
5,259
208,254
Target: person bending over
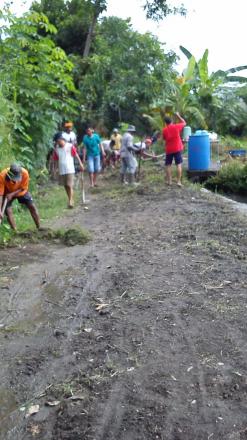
14,183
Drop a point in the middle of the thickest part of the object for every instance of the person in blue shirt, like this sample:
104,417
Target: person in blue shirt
92,147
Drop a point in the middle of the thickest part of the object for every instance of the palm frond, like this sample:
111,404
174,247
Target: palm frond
236,69
186,52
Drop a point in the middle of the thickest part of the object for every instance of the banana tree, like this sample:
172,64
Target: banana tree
213,80
207,88
180,98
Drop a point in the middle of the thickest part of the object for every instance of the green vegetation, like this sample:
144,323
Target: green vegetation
232,178
6,130
213,101
64,60
58,62
36,84
69,237
120,82
236,143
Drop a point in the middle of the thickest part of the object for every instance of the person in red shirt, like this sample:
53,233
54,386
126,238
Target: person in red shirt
14,182
173,147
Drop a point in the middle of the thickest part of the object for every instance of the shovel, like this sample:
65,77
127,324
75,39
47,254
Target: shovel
3,209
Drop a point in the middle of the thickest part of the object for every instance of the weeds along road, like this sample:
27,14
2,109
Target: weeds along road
138,335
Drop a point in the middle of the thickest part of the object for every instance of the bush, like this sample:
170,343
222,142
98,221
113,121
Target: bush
6,127
234,143
232,177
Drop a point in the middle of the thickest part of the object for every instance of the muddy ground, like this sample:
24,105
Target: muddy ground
138,335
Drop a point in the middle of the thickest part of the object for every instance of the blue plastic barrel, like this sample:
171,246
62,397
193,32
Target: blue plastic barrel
199,152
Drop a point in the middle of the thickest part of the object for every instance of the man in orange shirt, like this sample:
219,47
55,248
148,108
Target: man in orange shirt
14,183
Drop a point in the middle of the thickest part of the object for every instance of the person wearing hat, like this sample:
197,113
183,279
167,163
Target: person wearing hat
128,160
68,133
70,136
116,140
14,182
64,153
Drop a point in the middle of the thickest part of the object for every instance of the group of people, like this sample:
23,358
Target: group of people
14,181
96,153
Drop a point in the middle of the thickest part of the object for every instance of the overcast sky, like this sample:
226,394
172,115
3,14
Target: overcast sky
218,25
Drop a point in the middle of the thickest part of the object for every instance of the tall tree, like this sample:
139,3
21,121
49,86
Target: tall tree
71,19
98,7
125,73
158,9
76,19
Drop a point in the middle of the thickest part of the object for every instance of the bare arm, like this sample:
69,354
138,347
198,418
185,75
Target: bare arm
84,152
1,202
102,149
180,118
80,162
10,196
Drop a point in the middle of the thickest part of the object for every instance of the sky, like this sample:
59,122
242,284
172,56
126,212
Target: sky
217,25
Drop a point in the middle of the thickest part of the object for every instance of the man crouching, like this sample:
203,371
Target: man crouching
14,183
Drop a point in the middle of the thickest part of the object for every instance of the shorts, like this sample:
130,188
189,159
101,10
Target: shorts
176,156
93,164
66,180
23,200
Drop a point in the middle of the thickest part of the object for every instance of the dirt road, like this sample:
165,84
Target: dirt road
138,335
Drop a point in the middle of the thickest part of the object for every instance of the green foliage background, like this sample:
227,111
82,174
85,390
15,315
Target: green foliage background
232,178
37,88
46,77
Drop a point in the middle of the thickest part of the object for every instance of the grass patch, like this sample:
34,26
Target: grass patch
68,237
157,178
152,178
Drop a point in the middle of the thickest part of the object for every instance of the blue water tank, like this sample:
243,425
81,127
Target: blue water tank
199,151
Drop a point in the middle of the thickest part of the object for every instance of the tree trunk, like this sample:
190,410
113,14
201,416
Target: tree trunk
89,37
91,31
